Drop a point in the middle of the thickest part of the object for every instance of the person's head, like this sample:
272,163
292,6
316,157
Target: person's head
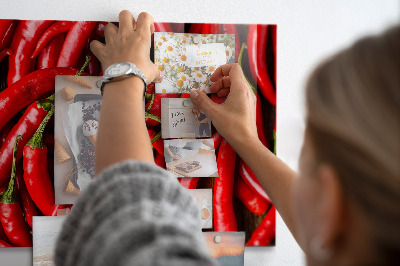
196,110
347,198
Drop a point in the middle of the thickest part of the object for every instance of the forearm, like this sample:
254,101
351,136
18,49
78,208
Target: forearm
122,133
274,175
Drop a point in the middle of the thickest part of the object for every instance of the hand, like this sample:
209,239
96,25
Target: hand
129,43
176,157
235,119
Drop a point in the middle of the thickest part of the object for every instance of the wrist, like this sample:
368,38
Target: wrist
132,86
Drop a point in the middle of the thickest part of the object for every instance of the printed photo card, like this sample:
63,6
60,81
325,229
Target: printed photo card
191,157
188,60
180,118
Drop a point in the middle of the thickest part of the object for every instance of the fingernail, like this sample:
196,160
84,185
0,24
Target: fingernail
160,78
194,94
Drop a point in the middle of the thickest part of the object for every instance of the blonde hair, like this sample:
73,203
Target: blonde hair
353,120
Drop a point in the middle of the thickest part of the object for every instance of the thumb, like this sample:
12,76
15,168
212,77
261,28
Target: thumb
202,101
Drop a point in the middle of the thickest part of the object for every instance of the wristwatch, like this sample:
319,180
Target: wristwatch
120,71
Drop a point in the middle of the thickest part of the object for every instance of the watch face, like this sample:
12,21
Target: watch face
118,69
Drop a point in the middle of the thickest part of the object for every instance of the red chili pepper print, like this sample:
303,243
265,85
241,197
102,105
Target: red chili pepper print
48,56
224,216
256,42
251,200
11,215
265,232
23,44
7,29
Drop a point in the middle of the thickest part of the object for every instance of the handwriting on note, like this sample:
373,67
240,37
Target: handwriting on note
205,55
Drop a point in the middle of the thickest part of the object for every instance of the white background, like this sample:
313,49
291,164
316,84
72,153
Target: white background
307,32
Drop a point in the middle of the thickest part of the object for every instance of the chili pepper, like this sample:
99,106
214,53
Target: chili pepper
217,140
7,29
178,27
99,30
188,182
265,232
215,98
11,215
36,174
156,141
196,28
23,44
224,216
260,122
185,95
159,160
251,200
33,86
251,180
4,53
55,29
75,42
3,235
4,244
26,127
256,42
27,204
155,108
162,27
210,28
272,30
94,66
231,29
6,130
48,56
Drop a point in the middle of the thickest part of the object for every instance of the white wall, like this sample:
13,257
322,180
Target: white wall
307,32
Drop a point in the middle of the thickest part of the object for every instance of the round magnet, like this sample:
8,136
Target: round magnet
187,102
196,39
217,239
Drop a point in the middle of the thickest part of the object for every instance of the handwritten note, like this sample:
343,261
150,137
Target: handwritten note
205,55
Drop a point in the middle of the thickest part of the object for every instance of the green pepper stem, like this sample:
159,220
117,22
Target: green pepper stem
151,116
156,137
84,66
8,196
151,102
37,140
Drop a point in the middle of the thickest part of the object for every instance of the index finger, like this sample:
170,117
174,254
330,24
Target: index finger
234,71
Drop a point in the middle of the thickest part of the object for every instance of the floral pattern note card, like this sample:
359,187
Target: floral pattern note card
188,60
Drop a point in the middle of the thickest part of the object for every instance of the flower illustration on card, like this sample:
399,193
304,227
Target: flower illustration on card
188,60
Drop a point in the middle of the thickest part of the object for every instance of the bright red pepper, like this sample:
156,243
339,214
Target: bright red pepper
195,28
3,236
211,28
6,130
26,127
7,29
189,182
154,107
75,43
224,216
94,66
231,29
99,30
251,200
27,204
178,27
55,29
4,244
36,174
23,44
4,53
156,141
48,56
11,215
273,36
265,232
257,42
30,88
162,27
159,160
217,140
251,180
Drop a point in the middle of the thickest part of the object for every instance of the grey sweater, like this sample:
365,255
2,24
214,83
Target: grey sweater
134,213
